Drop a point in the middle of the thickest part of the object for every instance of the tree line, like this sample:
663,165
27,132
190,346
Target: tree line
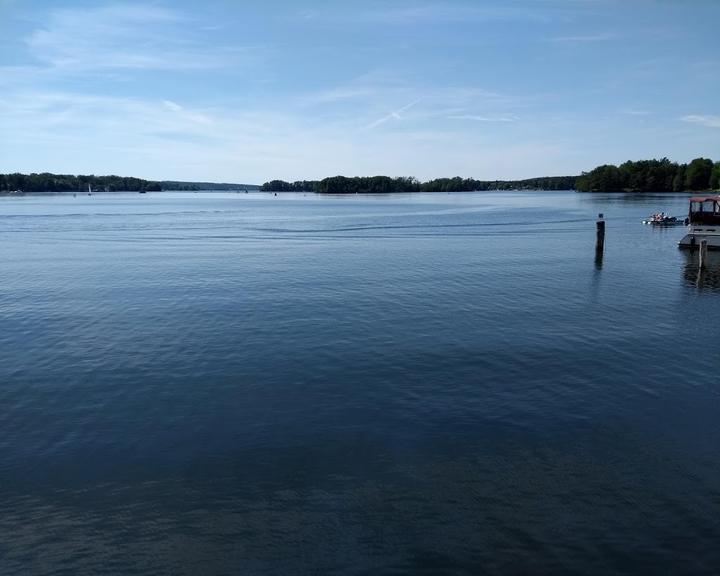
631,176
639,176
386,184
652,176
47,182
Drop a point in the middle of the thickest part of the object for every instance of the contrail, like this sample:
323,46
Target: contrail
394,114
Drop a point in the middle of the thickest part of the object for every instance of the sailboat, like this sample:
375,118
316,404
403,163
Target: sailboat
89,190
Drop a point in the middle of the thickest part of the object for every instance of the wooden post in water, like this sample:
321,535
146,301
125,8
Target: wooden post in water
599,241
600,226
702,255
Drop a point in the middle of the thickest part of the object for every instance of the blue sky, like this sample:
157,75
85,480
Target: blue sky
246,91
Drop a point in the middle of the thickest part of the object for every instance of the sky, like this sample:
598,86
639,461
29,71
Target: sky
248,91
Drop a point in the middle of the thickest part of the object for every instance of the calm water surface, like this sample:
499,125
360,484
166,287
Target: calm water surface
247,384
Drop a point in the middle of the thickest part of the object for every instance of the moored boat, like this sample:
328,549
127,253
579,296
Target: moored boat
703,223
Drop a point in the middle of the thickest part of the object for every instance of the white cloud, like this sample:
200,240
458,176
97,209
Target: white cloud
703,120
125,37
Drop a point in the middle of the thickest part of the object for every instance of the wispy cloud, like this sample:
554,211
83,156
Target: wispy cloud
162,88
584,39
341,94
476,118
371,95
41,114
710,121
125,36
162,138
394,115
446,12
636,112
380,88
189,115
88,133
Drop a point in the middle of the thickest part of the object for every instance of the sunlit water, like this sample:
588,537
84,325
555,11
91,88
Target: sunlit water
244,384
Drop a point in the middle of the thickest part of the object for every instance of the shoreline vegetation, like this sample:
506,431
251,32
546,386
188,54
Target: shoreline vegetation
386,184
701,174
641,176
652,176
47,182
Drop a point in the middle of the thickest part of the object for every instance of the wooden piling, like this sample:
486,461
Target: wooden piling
702,255
599,241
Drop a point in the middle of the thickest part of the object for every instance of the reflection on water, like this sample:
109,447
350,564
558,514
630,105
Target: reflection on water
708,278
599,253
660,200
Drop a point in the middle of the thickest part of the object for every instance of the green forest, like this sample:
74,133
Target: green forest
66,183
47,182
641,176
631,176
385,184
652,176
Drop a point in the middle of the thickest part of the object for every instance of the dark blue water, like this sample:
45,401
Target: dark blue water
249,384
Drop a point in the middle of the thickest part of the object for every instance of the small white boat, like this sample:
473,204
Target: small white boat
703,223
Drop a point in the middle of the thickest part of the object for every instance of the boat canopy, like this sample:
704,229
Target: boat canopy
704,210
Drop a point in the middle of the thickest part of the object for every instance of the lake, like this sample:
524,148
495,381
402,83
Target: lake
221,383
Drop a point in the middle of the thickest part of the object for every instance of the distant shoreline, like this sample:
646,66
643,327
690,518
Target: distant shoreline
642,176
47,182
701,174
11,194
